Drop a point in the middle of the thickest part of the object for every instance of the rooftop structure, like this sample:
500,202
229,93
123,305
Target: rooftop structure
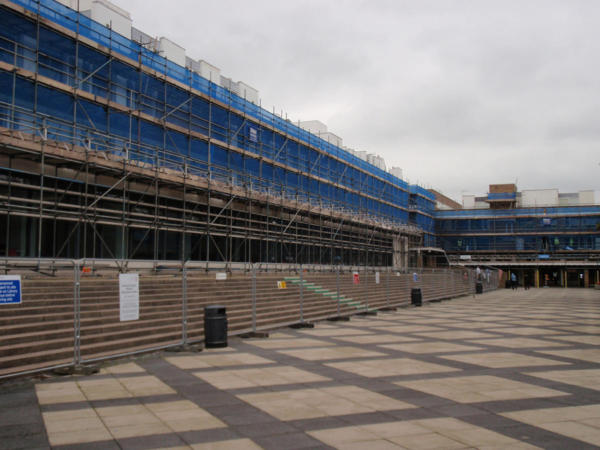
319,129
444,202
505,196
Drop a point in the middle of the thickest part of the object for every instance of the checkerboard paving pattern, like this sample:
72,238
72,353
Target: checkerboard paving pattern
376,338
476,389
430,347
290,342
586,354
446,433
586,378
503,359
323,402
328,353
377,368
580,422
264,376
84,423
504,370
217,361
520,342
583,339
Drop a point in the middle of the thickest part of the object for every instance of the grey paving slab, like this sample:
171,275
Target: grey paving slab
157,441
21,424
106,445
508,356
289,441
28,441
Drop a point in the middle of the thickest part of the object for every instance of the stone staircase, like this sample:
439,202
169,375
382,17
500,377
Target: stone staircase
332,295
39,332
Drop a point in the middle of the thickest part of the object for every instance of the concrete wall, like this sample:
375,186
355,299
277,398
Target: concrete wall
331,138
468,201
539,197
571,199
208,71
376,160
247,92
396,171
361,154
314,126
171,51
104,12
589,197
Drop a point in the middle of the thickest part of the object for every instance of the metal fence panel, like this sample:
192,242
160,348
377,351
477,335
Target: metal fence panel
70,314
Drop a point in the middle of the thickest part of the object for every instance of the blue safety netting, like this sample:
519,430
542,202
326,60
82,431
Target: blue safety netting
536,211
63,59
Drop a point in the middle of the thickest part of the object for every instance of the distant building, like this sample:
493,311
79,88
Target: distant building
503,196
546,237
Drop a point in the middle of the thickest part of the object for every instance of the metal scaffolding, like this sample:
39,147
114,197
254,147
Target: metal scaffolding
103,157
87,204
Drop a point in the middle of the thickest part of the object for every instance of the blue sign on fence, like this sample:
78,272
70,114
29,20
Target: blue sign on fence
10,289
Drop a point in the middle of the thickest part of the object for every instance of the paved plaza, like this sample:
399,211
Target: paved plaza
507,369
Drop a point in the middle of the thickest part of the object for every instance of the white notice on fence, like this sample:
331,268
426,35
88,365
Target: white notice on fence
376,277
129,296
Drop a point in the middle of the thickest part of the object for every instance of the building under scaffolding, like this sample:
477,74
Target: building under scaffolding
547,238
110,150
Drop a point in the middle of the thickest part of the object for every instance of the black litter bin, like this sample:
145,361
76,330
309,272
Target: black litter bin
215,326
415,297
479,288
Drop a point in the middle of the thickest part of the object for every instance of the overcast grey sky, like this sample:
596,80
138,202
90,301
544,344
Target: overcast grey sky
460,94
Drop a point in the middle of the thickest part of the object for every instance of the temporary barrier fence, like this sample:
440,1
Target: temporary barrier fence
73,313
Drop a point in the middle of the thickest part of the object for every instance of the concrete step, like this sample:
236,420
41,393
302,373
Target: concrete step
39,332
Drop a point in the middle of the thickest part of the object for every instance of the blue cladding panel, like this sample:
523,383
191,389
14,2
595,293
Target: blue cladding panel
25,93
199,150
176,142
123,125
151,134
252,166
236,162
92,115
218,156
55,104
6,87
502,196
